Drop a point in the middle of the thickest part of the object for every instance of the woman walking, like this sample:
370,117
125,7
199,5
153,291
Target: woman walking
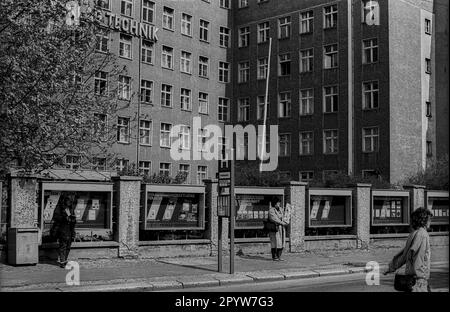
417,252
64,229
278,238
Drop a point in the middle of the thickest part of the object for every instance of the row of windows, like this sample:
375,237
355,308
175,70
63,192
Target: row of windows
168,20
306,102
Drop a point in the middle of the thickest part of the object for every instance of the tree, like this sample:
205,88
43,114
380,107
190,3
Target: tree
434,176
52,105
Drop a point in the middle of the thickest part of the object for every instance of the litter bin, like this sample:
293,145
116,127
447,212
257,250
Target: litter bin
23,246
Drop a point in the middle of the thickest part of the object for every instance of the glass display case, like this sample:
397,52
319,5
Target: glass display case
390,208
437,202
329,208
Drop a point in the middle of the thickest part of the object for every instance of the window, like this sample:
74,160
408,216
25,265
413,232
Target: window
370,95
306,22
225,4
244,109
224,37
164,169
203,103
185,62
284,108
330,100
185,137
263,32
164,136
285,64
123,130
370,51
100,126
224,72
244,36
330,141
201,139
244,72
260,109
126,7
166,95
306,102
122,164
145,132
147,52
370,140
330,16
428,27
202,174
101,83
242,3
429,148
167,21
145,167
102,41
186,24
148,11
427,66
146,91
330,56
185,170
73,161
284,27
285,145
306,143
203,66
185,99
125,46
223,109
167,57
306,60
204,26
99,163
428,108
263,65
124,87
306,176
104,4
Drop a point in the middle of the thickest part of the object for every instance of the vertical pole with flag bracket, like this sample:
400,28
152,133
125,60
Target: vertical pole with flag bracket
232,210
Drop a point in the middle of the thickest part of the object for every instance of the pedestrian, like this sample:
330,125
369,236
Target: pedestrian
417,252
64,229
278,238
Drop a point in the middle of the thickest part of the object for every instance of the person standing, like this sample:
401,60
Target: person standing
417,252
64,223
278,238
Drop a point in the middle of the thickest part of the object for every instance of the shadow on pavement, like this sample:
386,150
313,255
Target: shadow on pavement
249,257
192,266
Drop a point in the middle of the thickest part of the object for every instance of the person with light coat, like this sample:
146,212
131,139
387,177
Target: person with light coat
278,238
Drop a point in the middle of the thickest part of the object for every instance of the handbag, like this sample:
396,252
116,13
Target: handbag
405,282
269,226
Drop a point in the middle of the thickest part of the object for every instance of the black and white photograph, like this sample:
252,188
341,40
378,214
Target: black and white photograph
223,153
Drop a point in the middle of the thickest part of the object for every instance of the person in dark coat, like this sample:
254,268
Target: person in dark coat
64,229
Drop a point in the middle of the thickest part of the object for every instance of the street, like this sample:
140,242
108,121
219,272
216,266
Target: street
342,283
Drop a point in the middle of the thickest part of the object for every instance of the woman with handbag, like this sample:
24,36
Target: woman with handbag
278,238
416,255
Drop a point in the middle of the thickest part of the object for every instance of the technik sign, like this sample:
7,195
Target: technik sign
130,26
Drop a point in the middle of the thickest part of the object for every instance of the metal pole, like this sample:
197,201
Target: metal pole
263,143
219,246
232,212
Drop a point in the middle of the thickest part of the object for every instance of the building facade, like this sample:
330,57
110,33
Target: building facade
352,83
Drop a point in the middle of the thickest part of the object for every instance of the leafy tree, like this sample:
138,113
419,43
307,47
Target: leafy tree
434,176
47,90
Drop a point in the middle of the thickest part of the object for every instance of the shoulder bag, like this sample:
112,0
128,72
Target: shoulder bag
269,226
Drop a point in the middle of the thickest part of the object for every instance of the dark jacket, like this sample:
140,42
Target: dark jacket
64,226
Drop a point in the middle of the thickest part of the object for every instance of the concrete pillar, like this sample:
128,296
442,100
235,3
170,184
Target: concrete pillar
362,200
295,194
24,201
417,195
128,190
213,228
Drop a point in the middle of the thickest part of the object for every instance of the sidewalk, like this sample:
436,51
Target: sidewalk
186,272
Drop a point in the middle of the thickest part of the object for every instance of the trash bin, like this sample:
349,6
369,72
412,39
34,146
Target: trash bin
23,246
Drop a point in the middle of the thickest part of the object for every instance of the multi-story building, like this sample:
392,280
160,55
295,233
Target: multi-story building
352,84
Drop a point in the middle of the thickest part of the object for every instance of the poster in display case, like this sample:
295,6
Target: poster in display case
175,207
329,208
437,202
390,208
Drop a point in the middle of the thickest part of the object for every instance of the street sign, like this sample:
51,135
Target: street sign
225,175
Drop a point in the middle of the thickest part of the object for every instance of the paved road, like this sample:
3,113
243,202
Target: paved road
341,283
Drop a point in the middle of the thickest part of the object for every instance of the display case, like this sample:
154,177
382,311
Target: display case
390,208
92,204
173,207
253,205
437,202
329,208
